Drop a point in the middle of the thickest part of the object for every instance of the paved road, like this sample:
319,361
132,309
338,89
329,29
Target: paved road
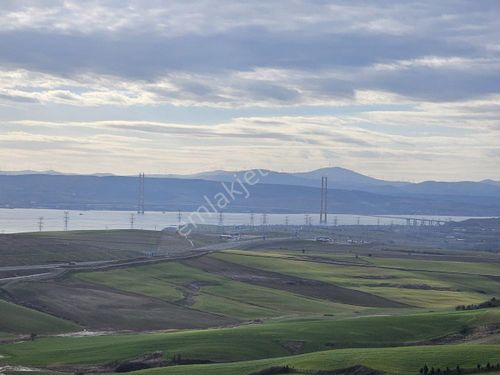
52,265
56,269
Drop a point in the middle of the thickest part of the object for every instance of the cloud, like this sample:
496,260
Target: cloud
394,87
199,53
257,88
18,98
361,142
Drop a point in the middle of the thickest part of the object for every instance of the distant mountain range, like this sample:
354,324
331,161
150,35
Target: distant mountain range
48,172
491,182
340,178
349,192
345,179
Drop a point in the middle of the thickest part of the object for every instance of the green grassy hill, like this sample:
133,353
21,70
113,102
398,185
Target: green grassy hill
252,341
53,247
236,286
425,284
401,361
92,245
210,292
16,319
322,308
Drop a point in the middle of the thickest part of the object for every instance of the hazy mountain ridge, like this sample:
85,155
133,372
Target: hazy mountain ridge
170,194
491,182
335,175
341,178
49,172
338,178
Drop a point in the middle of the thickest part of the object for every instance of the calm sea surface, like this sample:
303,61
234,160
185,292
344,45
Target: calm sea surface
28,220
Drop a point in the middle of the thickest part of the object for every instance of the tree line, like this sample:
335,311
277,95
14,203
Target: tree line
425,370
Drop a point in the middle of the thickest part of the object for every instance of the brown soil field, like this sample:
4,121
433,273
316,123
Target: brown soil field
98,307
306,287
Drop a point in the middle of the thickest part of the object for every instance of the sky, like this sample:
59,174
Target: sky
400,90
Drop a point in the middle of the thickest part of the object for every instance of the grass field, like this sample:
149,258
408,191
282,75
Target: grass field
97,307
211,292
474,268
16,319
53,247
232,286
322,308
425,289
251,341
402,361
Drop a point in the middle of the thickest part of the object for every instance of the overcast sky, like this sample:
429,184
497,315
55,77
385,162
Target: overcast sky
405,90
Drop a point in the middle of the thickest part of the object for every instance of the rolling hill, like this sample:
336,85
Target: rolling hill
342,178
169,194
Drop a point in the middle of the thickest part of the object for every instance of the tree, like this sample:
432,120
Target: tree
33,336
464,330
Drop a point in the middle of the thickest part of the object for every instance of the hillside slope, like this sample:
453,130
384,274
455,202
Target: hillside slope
120,193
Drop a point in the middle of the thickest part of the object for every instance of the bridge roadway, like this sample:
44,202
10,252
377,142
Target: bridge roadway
413,220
